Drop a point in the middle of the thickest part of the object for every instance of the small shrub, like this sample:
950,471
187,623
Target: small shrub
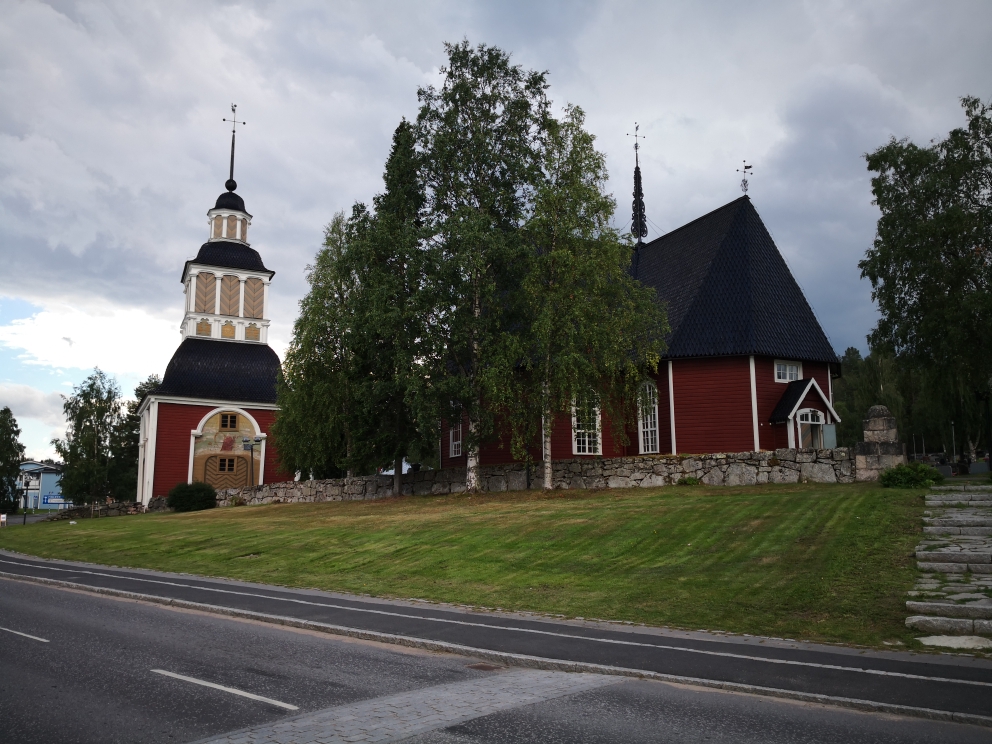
687,480
192,497
913,475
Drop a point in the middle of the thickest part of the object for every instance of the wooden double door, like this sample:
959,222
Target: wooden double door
227,471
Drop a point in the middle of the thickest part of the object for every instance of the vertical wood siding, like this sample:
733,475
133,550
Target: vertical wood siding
176,421
713,405
206,292
230,295
254,294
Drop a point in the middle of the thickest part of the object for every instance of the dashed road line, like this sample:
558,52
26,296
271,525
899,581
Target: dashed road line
33,638
535,631
232,690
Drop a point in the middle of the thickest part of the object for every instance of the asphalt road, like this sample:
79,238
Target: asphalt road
89,675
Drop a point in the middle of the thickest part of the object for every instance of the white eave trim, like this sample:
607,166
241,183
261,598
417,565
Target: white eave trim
826,401
206,402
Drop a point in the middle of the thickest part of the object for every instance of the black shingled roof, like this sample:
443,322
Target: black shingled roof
729,291
222,370
228,254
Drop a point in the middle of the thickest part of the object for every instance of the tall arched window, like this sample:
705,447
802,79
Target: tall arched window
810,429
647,419
206,292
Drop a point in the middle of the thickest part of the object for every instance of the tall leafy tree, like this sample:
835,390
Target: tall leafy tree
592,332
92,412
315,396
931,262
125,443
11,457
481,137
385,259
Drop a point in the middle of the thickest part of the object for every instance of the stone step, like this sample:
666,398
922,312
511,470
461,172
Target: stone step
945,489
948,567
950,519
956,502
949,625
949,530
954,556
950,609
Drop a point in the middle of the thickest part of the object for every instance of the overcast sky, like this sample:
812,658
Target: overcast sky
112,147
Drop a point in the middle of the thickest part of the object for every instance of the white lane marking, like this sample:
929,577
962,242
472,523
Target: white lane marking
614,641
231,690
33,638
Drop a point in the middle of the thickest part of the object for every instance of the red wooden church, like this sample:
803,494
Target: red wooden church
747,367
210,418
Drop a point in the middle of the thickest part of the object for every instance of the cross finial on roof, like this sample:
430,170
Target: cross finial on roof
231,184
636,135
745,170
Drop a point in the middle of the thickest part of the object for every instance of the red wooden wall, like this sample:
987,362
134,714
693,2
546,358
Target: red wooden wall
175,422
712,412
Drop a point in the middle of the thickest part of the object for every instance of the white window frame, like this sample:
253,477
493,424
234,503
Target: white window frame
582,442
455,442
648,405
788,363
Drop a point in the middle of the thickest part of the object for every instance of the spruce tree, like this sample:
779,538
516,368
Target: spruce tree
11,457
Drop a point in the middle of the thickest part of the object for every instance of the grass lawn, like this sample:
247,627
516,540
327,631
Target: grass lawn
813,561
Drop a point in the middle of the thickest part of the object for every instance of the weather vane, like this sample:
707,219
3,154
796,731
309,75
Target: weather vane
636,135
231,184
745,170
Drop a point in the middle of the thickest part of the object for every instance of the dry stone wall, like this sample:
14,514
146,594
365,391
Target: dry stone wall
735,469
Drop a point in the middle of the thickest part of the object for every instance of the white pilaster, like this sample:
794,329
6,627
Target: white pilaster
754,407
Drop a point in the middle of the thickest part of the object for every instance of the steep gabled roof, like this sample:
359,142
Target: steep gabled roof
221,370
729,291
795,393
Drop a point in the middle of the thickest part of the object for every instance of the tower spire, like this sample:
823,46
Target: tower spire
231,184
638,220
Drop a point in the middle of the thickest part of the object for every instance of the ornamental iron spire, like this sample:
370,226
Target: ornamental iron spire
638,220
745,170
231,184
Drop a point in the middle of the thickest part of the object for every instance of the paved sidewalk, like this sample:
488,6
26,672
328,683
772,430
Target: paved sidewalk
401,716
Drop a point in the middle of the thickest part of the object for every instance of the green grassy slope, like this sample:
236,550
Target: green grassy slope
820,562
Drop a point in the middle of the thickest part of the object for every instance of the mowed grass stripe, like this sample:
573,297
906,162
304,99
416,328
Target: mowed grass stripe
813,561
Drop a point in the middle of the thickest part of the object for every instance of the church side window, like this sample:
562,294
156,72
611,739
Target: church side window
227,330
455,440
252,333
225,465
254,297
229,421
648,419
586,433
203,328
230,295
206,292
788,371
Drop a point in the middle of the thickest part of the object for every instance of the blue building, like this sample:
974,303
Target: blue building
41,481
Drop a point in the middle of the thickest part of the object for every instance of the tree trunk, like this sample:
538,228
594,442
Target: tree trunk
472,458
546,453
398,476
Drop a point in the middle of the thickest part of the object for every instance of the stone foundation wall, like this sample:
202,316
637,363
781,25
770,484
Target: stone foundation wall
113,509
737,469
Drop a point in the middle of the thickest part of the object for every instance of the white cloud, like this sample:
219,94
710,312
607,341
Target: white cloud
121,341
27,402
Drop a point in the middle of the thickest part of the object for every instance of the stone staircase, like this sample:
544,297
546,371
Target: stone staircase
953,595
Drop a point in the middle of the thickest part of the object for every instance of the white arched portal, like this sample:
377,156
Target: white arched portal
198,432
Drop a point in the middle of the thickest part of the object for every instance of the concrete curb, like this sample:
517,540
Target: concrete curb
520,660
